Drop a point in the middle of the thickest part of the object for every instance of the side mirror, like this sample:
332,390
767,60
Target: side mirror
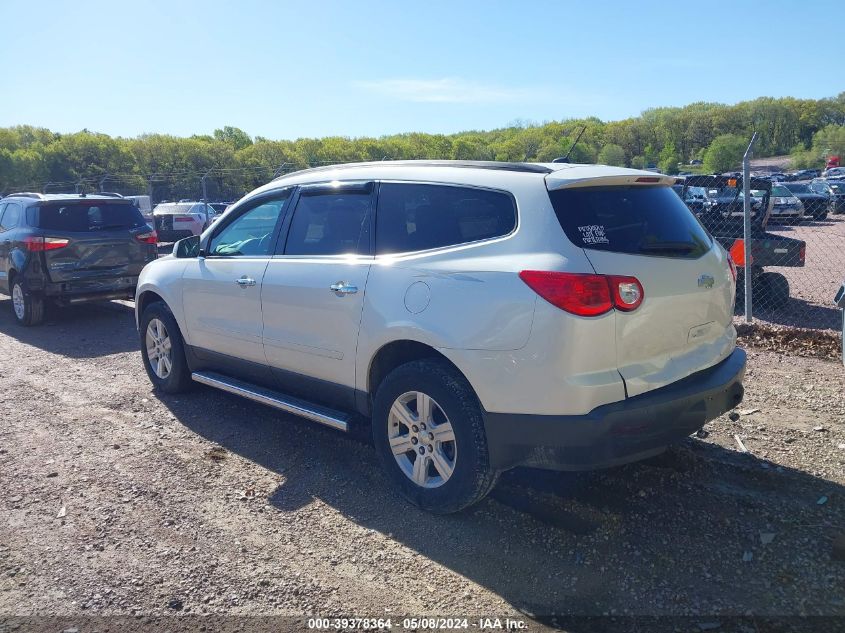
187,247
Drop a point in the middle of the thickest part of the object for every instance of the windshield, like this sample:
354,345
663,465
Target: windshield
838,187
781,192
87,216
171,208
635,220
799,188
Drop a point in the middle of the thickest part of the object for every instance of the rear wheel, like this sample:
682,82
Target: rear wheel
162,349
773,290
27,306
429,433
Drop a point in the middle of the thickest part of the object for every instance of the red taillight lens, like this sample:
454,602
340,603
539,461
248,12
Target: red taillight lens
738,253
584,294
803,253
37,244
627,292
648,179
183,218
148,237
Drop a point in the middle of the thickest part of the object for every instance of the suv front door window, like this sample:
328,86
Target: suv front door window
222,289
313,289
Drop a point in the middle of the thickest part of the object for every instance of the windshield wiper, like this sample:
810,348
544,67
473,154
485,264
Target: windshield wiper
668,247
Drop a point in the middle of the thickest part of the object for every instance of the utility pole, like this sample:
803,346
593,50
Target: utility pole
205,193
746,225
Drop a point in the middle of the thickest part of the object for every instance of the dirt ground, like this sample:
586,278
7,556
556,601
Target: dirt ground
115,501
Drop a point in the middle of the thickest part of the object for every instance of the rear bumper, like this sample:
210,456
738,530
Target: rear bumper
92,290
620,432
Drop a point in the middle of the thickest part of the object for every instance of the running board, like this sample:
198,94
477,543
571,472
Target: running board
313,412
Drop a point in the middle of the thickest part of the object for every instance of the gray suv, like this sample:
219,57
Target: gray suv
70,248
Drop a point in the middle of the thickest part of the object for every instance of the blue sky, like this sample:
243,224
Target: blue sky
288,69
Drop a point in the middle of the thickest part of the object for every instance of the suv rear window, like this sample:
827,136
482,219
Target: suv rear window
635,220
414,217
77,217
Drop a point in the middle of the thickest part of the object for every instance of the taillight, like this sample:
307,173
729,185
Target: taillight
183,218
37,244
803,253
148,237
585,294
738,253
627,292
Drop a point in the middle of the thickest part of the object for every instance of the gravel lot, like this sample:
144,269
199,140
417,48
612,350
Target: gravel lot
812,287
116,501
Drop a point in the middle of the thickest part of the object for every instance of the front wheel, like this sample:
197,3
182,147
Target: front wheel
27,307
162,350
428,431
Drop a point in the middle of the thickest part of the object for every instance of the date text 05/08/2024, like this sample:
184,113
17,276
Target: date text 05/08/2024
416,624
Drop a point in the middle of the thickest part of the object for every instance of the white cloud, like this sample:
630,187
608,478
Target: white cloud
448,90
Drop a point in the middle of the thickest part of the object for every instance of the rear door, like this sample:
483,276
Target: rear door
93,239
313,290
685,321
6,241
221,291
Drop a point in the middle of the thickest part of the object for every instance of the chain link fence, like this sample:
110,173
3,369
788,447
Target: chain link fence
795,256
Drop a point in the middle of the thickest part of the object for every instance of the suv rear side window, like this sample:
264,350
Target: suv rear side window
330,224
80,217
414,217
635,220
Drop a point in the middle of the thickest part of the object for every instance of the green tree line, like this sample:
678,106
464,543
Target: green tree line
234,162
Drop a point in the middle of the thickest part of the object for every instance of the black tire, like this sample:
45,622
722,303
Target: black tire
772,290
472,477
179,378
32,303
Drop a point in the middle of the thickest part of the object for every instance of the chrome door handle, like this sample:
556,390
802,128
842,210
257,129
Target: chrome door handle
343,288
245,281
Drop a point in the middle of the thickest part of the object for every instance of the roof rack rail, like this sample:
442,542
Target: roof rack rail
110,194
26,194
533,168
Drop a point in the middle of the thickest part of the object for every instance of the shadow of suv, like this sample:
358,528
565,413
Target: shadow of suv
70,248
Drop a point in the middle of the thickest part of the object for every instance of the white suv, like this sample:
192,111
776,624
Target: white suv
481,315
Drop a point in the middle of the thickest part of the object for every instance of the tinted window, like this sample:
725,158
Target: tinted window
635,220
798,188
330,224
10,217
89,216
252,232
415,217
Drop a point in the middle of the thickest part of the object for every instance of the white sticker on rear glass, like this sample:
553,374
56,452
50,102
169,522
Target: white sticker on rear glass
593,234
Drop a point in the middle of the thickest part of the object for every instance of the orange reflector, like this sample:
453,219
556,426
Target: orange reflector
737,253
731,182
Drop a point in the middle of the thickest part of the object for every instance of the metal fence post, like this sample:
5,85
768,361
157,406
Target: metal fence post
205,193
746,225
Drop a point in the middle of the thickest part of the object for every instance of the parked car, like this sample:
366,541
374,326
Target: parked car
834,173
696,198
176,220
727,204
596,334
804,174
816,205
834,189
69,248
785,206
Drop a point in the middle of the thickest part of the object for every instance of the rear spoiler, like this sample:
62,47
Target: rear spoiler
558,180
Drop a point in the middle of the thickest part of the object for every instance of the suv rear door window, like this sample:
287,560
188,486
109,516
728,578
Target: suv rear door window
329,223
418,217
80,217
638,220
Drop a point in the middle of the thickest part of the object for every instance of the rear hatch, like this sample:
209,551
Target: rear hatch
684,323
93,239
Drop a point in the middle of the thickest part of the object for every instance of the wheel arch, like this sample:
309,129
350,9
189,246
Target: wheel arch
398,352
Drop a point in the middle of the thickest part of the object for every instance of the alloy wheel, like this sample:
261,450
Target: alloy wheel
159,351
